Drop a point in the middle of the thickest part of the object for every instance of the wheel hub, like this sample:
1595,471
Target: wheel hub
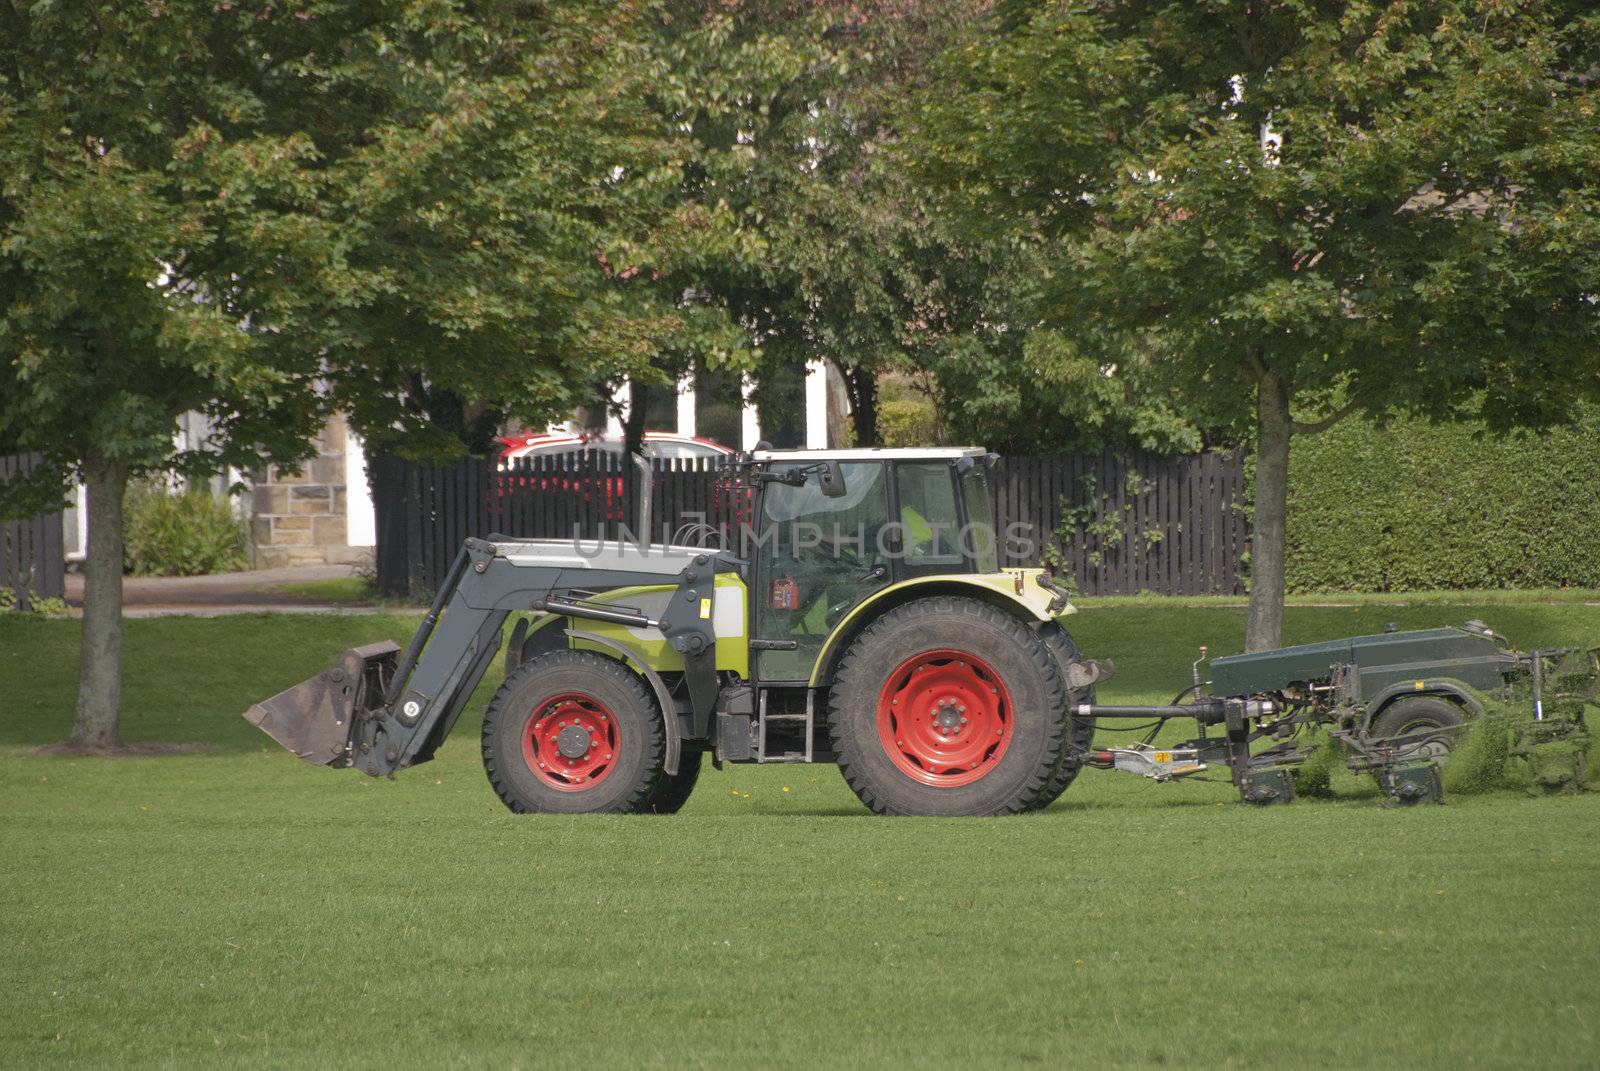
949,715
574,742
945,718
570,741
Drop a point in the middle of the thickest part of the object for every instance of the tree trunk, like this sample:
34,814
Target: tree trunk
1273,430
98,724
633,446
863,387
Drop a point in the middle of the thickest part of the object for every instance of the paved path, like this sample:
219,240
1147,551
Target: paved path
253,591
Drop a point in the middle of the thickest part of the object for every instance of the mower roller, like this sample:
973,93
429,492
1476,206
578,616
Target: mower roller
861,620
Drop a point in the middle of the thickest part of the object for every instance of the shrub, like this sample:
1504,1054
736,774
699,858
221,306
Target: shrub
44,607
1421,506
182,534
907,422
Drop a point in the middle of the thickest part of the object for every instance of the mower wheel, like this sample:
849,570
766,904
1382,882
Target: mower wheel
572,732
1415,715
673,790
948,706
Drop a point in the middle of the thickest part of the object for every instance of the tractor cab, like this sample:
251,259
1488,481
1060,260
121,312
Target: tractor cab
832,528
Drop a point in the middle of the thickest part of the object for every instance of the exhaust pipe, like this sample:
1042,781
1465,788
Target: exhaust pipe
317,718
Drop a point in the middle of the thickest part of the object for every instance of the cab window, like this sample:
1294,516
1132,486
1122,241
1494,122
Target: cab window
930,526
982,538
817,558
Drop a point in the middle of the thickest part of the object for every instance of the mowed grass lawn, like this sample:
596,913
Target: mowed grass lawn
239,908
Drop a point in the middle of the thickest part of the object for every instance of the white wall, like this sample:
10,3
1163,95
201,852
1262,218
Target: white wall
361,523
816,405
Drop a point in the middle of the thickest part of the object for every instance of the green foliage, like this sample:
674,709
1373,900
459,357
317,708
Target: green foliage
1270,215
1478,759
907,422
43,607
1127,142
187,534
1420,506
1314,777
49,606
516,218
1102,517
1039,391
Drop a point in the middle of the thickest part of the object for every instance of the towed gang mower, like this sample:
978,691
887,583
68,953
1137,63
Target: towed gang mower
863,621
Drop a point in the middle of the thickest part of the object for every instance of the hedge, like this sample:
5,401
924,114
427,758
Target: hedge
1421,506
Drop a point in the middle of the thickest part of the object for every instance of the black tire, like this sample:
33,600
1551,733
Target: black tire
631,724
996,645
1417,714
673,790
1080,731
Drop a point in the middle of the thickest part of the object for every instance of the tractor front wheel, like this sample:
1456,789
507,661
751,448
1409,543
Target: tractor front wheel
948,706
571,732
673,791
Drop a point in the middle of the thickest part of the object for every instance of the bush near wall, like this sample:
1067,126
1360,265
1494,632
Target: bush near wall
1419,506
187,534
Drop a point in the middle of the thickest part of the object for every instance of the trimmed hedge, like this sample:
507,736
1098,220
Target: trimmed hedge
1422,506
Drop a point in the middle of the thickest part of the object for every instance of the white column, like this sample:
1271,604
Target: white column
686,400
816,405
618,412
80,522
749,416
361,523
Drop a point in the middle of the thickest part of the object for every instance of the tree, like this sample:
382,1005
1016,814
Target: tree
791,108
1298,210
148,266
514,226
410,211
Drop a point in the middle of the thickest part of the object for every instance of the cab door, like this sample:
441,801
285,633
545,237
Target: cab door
815,558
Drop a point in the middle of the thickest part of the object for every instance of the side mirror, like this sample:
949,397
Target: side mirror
830,477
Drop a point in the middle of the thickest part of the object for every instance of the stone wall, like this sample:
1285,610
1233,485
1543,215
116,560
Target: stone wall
300,520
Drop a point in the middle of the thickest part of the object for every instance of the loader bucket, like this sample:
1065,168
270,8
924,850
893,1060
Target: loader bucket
316,717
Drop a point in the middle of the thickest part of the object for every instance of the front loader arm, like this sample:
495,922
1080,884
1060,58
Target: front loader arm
406,706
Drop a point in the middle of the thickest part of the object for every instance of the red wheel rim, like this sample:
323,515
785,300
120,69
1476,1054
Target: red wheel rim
571,741
945,718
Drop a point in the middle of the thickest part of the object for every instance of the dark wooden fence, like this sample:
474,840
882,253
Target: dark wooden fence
1130,522
1116,523
32,557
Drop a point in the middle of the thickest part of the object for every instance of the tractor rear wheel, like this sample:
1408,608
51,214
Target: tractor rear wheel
1080,731
947,706
1413,716
673,790
571,732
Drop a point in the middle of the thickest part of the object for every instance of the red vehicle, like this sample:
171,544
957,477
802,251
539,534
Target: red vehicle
657,444
600,496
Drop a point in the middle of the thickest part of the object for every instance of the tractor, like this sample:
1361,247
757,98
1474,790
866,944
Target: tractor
861,619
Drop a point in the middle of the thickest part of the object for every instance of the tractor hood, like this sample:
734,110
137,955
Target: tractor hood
1427,652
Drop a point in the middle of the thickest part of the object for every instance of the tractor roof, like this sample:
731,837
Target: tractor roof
877,453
